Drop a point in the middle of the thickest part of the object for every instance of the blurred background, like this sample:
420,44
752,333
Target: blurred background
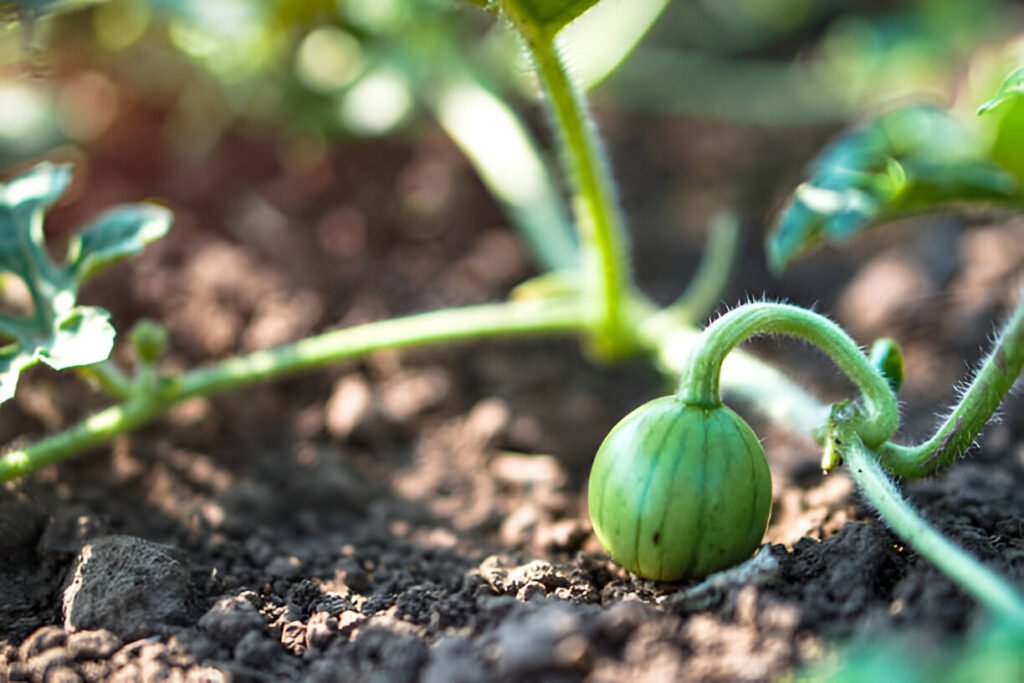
335,70
370,123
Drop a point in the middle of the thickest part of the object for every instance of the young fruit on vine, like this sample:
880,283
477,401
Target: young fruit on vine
680,487
678,491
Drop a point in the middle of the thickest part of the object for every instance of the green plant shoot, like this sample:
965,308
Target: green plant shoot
59,332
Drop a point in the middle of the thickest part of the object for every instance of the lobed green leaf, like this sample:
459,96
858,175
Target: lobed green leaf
911,159
60,333
22,203
117,234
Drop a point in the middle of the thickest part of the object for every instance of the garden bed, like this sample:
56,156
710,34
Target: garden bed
422,514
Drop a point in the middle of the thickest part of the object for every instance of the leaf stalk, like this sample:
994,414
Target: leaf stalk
878,415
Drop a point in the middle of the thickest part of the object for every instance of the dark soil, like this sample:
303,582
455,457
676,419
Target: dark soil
421,515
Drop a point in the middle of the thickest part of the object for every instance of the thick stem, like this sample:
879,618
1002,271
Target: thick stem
602,231
460,324
879,417
992,382
972,576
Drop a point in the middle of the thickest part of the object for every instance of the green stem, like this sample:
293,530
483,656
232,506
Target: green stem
700,380
604,245
109,377
972,576
460,324
992,382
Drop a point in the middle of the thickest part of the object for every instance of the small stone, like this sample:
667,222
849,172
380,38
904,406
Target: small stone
19,671
41,640
98,644
349,620
231,619
47,661
132,587
293,637
62,674
321,629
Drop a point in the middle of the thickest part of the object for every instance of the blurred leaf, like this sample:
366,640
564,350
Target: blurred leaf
600,41
82,336
60,333
1011,89
12,362
544,18
22,203
887,357
28,11
1008,138
29,122
994,652
911,159
117,234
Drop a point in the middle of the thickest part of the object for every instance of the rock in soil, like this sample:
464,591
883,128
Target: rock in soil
129,586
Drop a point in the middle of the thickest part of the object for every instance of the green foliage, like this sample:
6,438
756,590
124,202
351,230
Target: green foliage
33,9
1005,115
59,332
914,158
996,653
117,234
1012,89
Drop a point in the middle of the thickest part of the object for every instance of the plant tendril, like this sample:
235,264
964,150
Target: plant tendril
876,417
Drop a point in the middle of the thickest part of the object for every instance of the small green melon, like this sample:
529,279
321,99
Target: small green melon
678,491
